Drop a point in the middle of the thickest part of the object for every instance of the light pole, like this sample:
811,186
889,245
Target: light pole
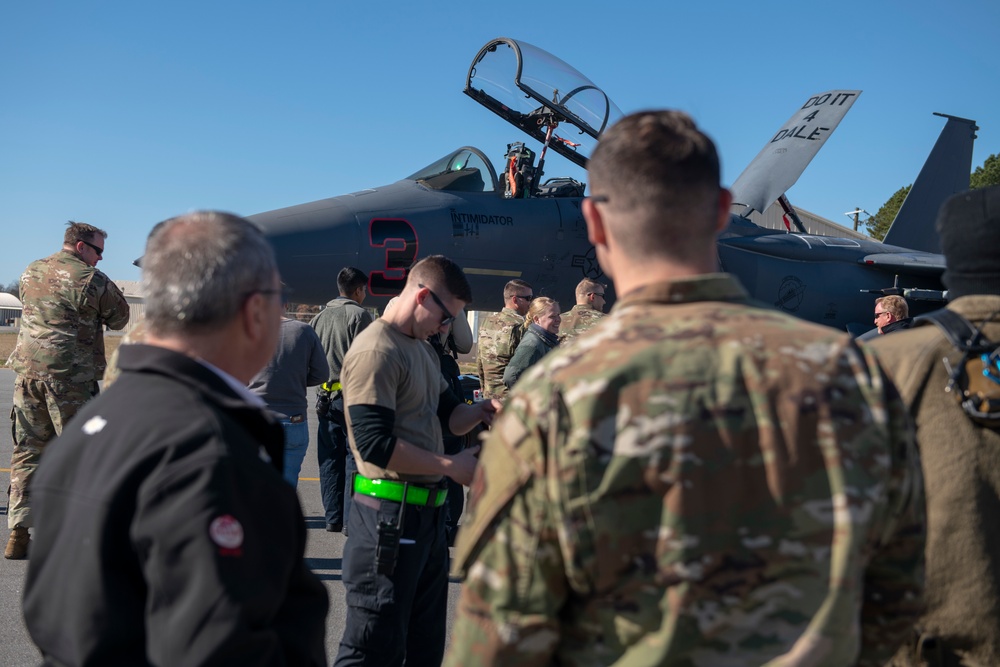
856,212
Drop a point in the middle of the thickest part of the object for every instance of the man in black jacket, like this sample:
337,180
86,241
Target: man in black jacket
891,314
165,533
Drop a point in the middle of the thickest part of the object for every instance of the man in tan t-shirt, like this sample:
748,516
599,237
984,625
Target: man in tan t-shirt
395,566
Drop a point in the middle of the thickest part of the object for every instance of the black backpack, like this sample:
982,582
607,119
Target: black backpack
975,379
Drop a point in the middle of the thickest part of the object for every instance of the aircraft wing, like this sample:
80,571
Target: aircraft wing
923,263
785,157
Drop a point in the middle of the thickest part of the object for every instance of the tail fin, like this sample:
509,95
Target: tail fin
945,173
780,163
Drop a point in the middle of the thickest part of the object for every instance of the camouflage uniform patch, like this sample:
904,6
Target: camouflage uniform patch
577,320
499,335
58,358
697,481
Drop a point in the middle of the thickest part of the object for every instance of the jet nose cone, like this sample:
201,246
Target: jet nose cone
312,242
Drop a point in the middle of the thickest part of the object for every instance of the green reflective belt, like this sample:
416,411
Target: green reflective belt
330,386
389,489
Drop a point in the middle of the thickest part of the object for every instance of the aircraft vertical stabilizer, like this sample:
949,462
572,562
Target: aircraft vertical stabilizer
780,163
945,173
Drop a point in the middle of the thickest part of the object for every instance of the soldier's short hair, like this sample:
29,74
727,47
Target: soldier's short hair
586,287
513,287
200,268
81,231
896,305
439,270
663,172
350,279
537,306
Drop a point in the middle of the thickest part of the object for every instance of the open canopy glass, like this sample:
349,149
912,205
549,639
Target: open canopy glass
542,95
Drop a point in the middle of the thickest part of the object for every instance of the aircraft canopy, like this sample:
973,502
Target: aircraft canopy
464,170
533,89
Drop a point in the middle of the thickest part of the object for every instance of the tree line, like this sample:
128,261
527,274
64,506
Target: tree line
878,225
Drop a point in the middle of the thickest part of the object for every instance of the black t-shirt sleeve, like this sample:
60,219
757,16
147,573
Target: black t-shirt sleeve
372,427
447,402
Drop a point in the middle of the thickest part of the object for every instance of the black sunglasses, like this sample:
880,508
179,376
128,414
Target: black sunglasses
448,317
530,297
99,251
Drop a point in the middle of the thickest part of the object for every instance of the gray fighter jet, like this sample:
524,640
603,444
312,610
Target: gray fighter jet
517,224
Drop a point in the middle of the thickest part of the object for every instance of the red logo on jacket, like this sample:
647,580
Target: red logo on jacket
227,533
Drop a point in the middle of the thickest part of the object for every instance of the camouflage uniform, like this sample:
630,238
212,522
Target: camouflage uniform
718,484
577,320
58,358
136,334
498,338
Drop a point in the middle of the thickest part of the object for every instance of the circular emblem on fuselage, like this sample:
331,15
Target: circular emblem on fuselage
791,291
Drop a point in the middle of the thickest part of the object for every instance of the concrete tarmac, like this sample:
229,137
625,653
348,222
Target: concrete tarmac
323,552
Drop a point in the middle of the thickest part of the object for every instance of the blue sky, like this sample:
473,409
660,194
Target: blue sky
122,114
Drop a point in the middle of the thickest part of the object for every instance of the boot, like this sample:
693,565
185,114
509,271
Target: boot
17,545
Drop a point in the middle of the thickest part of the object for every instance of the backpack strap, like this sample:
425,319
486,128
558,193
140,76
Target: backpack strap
959,331
979,398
